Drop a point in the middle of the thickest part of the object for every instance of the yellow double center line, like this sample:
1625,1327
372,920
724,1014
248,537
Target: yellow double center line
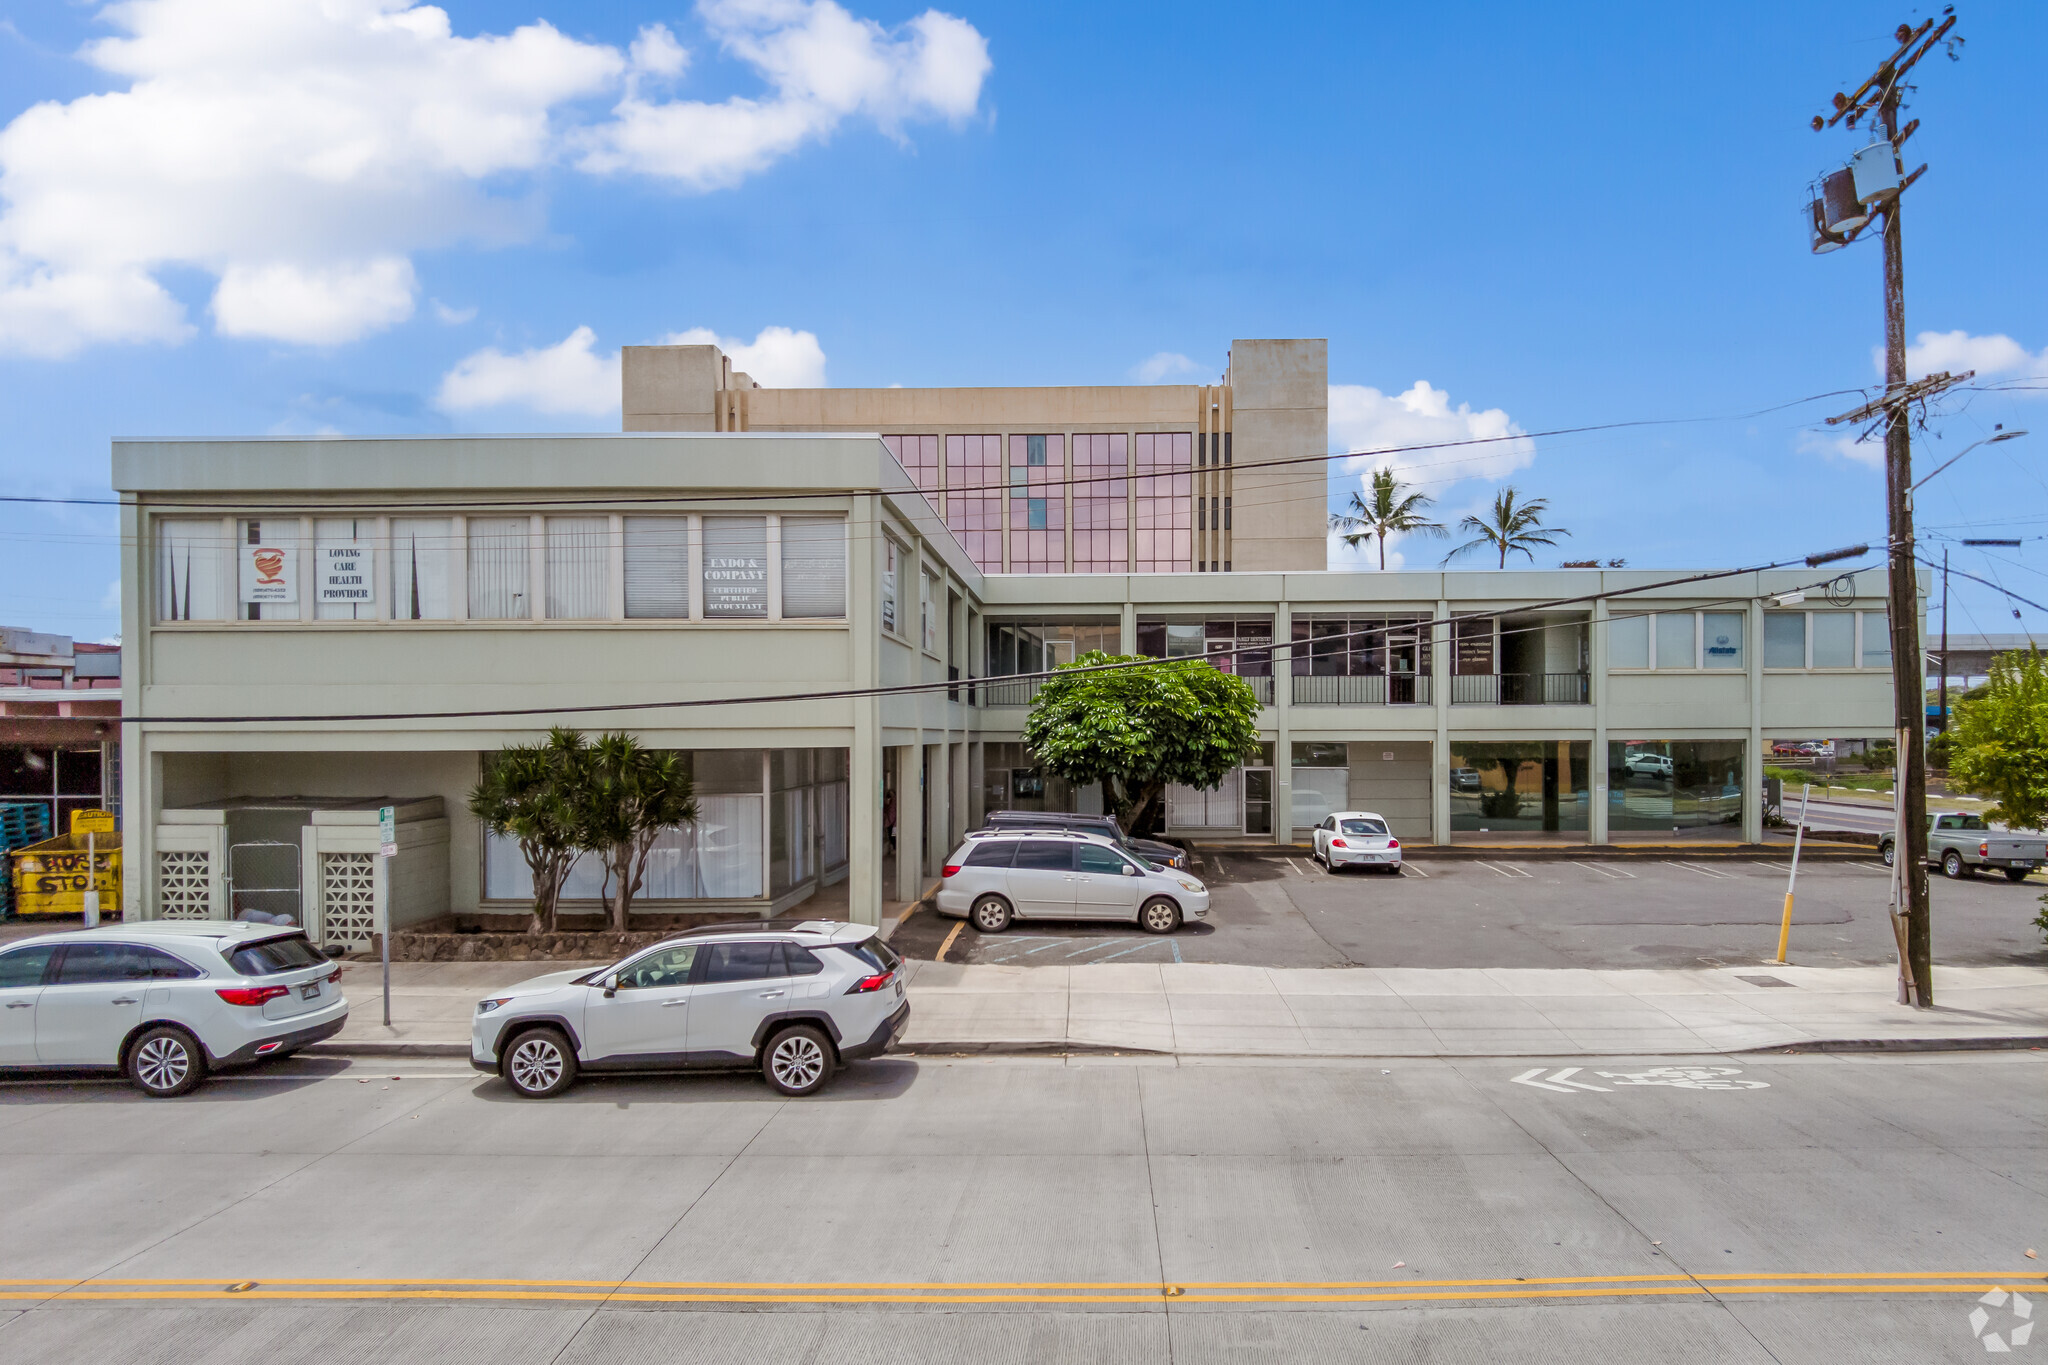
1027,1292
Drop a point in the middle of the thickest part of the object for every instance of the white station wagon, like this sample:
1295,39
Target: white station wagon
164,1001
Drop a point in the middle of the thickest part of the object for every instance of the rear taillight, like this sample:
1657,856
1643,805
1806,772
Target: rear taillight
252,995
1984,849
1393,843
334,976
871,983
1338,843
950,870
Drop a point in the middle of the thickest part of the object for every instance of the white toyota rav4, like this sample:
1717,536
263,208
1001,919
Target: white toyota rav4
166,1000
796,1000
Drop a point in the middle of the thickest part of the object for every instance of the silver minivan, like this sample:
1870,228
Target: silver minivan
996,878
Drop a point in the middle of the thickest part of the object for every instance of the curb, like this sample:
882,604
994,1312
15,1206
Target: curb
377,1049
1815,850
1910,1045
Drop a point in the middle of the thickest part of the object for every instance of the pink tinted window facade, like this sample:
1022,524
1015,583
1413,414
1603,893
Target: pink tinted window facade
1038,504
1101,508
919,456
974,498
1164,537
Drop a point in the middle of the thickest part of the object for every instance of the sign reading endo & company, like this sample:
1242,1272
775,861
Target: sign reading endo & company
735,568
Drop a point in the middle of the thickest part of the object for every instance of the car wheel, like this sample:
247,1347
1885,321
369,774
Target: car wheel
539,1063
797,1061
2015,874
166,1061
1952,865
991,914
1159,916
1886,853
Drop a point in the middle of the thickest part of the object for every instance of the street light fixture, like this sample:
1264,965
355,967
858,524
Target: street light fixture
1988,440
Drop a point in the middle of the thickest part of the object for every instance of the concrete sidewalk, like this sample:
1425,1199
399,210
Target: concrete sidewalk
1201,1009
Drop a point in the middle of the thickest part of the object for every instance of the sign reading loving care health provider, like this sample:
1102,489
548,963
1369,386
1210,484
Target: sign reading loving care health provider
345,574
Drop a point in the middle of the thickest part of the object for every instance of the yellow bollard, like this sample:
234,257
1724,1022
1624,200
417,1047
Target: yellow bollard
1798,839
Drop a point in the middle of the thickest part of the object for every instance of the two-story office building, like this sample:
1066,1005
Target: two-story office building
320,627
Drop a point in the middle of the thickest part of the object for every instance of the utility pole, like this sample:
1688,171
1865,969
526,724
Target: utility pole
1879,98
1944,642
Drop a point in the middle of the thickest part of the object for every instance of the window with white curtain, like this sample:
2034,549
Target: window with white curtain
928,612
814,568
500,581
658,568
423,578
344,584
1677,640
1834,639
189,562
1628,641
578,568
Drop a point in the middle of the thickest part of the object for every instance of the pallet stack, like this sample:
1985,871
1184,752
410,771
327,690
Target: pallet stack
21,823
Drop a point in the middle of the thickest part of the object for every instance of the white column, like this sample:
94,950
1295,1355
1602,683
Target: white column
1753,752
1283,723
938,809
1440,699
1596,827
909,821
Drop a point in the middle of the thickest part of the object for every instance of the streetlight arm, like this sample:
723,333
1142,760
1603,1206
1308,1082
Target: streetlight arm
1988,440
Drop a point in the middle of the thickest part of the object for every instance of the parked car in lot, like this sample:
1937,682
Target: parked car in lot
165,1001
1151,850
1959,843
795,1000
1464,779
1357,838
995,879
1649,765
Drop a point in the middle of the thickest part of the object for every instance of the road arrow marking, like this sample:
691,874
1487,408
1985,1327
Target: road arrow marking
1564,1078
1561,1081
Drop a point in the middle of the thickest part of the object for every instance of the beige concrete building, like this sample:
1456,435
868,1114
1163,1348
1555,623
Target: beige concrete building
1153,478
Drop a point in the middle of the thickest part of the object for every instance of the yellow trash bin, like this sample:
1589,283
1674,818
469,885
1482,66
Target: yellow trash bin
51,878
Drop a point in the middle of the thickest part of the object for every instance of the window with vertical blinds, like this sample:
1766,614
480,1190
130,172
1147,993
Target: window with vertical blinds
814,567
578,568
189,562
735,568
500,584
658,568
423,581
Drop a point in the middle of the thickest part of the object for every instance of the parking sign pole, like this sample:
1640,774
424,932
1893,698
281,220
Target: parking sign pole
387,847
1798,838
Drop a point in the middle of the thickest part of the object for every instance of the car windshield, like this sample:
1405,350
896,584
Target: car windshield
1970,822
1361,827
874,952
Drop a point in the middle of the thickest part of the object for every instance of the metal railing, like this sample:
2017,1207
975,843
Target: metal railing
1522,689
1401,689
1262,688
998,692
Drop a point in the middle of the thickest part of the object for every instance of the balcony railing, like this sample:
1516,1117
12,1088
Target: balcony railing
1522,689
1402,689
997,692
1262,688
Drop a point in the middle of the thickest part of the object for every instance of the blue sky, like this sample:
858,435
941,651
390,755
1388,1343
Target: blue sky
1548,223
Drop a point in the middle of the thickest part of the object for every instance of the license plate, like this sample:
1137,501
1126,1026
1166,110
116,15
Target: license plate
311,991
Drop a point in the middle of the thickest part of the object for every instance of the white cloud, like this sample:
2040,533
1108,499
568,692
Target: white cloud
454,317
1839,446
1364,419
1162,366
1990,356
1365,556
572,377
567,377
300,151
777,358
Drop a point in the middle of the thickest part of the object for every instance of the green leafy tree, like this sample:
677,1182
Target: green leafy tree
1513,525
1389,512
1135,730
1998,741
626,797
528,794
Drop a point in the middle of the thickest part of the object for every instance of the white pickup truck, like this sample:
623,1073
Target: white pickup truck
1960,843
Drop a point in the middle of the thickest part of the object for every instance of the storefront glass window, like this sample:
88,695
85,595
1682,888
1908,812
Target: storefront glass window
1520,789
1682,788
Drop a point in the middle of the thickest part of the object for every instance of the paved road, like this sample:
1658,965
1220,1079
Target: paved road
1598,913
1022,1210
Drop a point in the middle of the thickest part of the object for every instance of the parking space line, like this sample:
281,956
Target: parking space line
1100,943
1880,869
1503,869
1148,943
1298,868
1407,867
1611,873
1054,944
1705,872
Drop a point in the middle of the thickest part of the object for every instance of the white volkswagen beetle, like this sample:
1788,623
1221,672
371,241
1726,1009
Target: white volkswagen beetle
1357,838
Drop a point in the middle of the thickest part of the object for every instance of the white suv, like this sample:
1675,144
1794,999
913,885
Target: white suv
1007,875
164,1001
795,1000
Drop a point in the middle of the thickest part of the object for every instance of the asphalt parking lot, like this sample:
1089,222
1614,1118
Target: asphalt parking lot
1602,913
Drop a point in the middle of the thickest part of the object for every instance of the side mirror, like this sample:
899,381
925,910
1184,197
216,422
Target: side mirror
1130,871
611,985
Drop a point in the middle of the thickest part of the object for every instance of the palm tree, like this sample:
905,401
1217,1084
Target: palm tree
1513,526
1389,513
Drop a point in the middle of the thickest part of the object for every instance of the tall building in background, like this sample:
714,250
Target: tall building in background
1142,478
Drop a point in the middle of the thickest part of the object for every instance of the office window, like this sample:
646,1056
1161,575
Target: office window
814,567
1628,641
1834,639
267,569
1101,505
1784,639
578,568
1721,634
1164,533
735,568
1037,646
974,501
1877,640
927,613
189,562
919,456
891,558
500,578
657,568
1038,504
344,569
423,559
1676,640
